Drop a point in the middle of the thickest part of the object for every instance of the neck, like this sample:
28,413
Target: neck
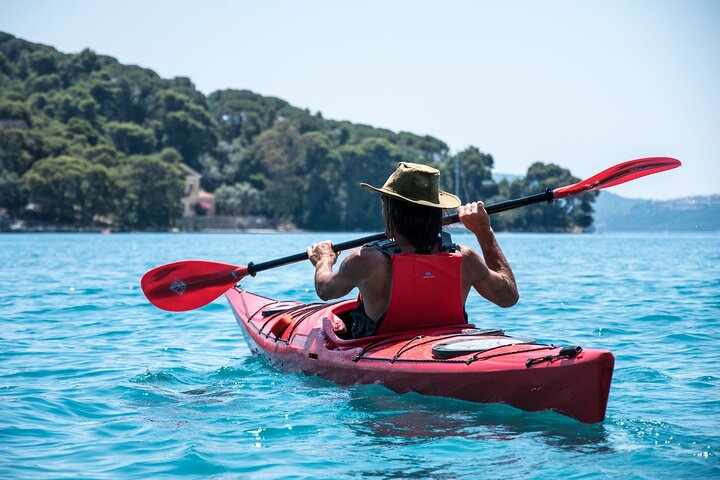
407,247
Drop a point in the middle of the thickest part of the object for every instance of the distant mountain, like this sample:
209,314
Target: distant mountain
614,213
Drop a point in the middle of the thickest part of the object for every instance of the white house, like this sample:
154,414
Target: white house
196,202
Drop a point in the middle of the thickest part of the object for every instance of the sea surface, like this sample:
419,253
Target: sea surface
95,382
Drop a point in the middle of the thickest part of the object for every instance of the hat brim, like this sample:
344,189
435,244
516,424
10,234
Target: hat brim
445,199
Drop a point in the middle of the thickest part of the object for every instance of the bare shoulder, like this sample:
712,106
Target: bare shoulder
473,265
470,255
363,261
371,258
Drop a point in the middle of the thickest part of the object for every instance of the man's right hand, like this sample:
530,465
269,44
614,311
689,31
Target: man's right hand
474,217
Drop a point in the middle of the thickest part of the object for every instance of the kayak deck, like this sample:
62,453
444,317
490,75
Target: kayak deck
519,372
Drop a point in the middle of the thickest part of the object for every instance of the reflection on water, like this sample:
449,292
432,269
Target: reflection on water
412,418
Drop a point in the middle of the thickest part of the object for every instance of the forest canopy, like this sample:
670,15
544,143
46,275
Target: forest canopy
84,137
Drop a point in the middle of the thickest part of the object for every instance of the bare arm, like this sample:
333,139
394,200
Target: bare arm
331,283
492,278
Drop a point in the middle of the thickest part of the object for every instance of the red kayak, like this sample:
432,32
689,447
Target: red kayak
463,362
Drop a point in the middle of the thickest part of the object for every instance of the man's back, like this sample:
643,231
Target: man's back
374,272
412,211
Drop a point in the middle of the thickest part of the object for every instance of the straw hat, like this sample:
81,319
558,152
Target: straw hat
418,184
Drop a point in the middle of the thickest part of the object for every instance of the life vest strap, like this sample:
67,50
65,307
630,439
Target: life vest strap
390,247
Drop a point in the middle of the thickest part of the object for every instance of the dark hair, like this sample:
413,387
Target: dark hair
420,225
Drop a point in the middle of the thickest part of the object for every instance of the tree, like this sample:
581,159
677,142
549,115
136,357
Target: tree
152,189
568,214
240,199
476,182
103,154
13,193
108,97
188,135
10,110
171,156
81,130
279,154
243,114
321,208
69,189
43,61
44,83
371,161
16,156
83,63
6,67
431,149
131,138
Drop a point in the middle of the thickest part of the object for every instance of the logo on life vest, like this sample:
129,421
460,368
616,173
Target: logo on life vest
178,287
429,275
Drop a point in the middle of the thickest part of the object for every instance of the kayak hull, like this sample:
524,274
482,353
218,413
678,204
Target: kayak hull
299,338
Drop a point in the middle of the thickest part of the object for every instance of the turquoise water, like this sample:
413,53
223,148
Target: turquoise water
97,383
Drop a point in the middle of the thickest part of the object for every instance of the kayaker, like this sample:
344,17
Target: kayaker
431,284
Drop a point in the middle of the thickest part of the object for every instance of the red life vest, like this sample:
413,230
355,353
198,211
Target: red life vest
426,291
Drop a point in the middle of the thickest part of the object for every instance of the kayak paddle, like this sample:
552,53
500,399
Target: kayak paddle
190,284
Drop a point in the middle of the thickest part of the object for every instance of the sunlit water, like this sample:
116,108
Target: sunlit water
97,383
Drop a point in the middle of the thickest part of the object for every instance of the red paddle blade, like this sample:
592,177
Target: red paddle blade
189,284
620,173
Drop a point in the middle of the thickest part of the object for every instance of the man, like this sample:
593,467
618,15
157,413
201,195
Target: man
417,277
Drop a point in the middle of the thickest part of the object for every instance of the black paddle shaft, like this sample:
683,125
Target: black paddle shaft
546,196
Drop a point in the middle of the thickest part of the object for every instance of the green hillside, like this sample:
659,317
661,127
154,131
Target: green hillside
86,140
693,214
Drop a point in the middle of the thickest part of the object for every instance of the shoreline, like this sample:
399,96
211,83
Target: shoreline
170,231
265,231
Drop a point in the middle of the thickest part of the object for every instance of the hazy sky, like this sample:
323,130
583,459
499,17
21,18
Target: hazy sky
582,84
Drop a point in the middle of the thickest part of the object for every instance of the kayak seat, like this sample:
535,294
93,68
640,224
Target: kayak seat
342,321
343,341
334,342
